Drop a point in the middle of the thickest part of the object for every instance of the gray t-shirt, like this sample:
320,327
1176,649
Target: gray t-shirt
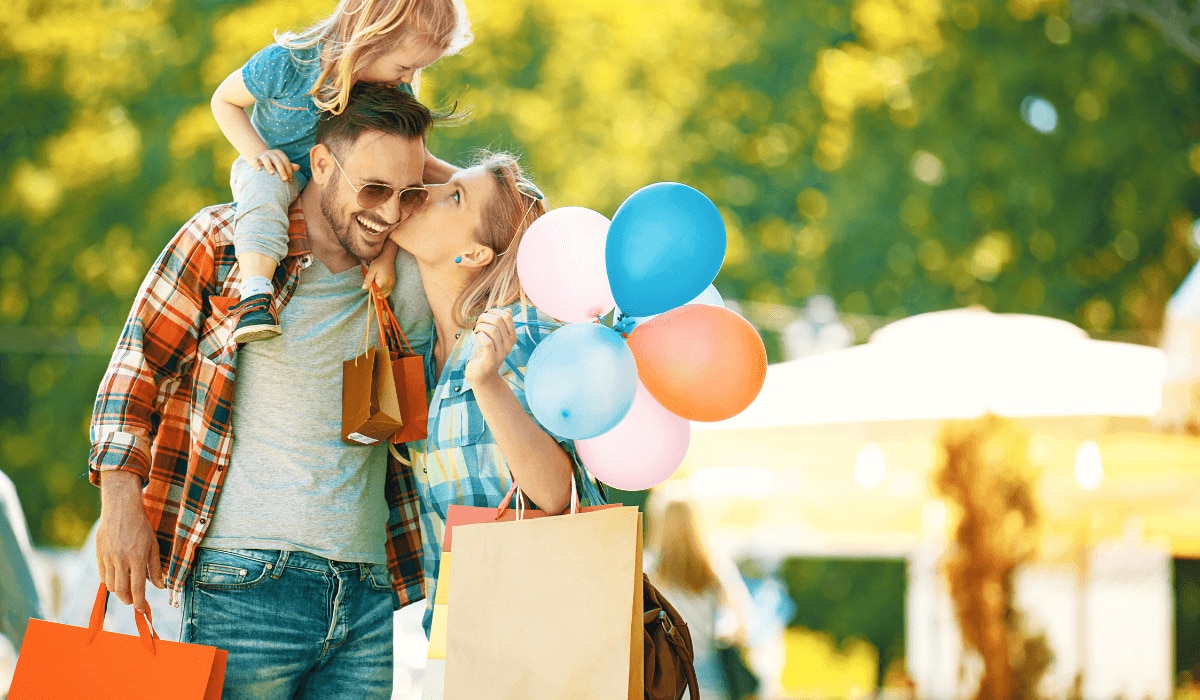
292,484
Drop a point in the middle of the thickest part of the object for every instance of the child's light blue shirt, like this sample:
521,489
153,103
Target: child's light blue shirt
281,81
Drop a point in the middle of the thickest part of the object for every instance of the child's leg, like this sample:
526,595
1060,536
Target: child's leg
260,225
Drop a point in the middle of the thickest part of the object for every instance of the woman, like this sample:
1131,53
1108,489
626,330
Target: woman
686,572
482,436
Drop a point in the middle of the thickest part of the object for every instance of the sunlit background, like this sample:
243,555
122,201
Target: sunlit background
873,160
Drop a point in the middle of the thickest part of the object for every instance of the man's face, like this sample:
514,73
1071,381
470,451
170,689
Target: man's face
375,158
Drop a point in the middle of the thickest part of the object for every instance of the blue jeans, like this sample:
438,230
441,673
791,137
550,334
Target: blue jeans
295,625
260,217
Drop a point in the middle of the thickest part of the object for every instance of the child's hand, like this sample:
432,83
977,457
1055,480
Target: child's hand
383,273
276,163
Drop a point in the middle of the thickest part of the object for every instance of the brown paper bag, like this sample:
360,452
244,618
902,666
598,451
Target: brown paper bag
547,608
370,405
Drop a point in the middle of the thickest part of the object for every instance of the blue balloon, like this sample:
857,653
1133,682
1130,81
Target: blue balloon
665,245
581,381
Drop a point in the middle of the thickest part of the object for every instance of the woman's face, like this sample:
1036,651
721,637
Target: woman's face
446,226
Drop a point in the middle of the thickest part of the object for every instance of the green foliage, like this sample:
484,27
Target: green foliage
850,598
873,150
1187,616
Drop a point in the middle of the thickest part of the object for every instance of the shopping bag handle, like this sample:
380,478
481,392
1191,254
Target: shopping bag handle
143,620
386,316
515,489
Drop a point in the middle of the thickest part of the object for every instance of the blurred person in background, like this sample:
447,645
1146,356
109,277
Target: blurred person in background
705,588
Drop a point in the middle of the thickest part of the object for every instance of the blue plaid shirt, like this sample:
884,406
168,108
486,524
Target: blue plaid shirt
460,463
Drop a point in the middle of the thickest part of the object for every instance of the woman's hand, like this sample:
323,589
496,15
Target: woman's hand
495,336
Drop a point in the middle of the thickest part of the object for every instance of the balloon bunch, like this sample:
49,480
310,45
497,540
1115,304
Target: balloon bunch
673,352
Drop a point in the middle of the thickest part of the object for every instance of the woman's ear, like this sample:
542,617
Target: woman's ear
321,162
478,256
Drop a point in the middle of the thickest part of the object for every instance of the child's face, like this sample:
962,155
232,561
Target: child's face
398,64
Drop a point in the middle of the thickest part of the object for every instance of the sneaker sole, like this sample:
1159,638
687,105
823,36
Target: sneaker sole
249,334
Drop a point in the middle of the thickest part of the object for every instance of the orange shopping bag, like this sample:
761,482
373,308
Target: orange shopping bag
409,372
62,661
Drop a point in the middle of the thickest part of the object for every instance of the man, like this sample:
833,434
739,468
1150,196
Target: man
277,537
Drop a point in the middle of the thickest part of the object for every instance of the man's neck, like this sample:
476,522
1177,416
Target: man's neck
325,246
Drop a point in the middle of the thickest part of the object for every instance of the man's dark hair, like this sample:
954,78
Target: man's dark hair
375,108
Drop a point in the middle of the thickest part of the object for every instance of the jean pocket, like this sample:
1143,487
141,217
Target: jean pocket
380,578
227,570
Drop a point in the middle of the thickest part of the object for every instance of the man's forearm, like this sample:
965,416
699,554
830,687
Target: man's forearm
120,490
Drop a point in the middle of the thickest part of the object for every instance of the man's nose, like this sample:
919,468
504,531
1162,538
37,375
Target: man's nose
389,211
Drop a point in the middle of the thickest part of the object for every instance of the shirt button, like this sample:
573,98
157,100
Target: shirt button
203,521
457,389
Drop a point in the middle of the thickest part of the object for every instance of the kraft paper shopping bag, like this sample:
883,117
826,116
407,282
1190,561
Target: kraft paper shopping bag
547,608
62,661
456,515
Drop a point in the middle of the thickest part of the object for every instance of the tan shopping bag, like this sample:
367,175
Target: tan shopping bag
457,516
547,608
370,404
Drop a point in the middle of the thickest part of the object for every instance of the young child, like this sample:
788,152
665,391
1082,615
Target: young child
289,83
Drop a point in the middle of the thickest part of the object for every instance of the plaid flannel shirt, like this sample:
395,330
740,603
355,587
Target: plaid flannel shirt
164,407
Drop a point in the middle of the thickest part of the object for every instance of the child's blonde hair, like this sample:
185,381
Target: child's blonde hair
359,31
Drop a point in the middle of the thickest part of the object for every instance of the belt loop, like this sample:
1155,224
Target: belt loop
364,570
280,564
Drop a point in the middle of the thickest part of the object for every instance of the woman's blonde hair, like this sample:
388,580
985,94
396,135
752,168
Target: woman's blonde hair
684,560
359,31
516,204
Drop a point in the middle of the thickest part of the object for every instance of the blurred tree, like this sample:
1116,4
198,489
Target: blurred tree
851,598
1178,23
899,155
985,475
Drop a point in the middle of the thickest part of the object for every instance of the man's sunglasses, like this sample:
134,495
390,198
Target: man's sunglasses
374,194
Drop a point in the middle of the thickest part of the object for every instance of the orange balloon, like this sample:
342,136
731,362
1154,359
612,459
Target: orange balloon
704,363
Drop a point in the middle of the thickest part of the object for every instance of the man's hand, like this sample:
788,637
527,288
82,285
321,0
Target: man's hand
126,549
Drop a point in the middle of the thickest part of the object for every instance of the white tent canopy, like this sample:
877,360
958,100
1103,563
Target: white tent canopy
960,364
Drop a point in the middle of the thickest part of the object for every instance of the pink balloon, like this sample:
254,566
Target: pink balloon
645,448
560,263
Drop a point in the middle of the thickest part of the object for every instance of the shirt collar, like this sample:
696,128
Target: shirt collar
298,245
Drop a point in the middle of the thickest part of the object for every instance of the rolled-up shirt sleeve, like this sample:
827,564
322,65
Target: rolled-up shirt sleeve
155,350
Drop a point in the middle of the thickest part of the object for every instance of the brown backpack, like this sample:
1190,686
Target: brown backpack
668,648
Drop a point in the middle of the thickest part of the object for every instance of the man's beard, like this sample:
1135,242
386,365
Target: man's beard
340,223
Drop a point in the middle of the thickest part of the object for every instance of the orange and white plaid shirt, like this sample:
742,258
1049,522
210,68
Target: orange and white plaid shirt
164,407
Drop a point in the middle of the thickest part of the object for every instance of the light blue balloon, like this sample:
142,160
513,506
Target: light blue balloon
581,381
626,324
665,245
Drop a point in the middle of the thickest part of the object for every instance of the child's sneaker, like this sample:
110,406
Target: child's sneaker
257,319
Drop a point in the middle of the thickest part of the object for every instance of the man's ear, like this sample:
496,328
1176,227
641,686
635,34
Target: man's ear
478,256
321,162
